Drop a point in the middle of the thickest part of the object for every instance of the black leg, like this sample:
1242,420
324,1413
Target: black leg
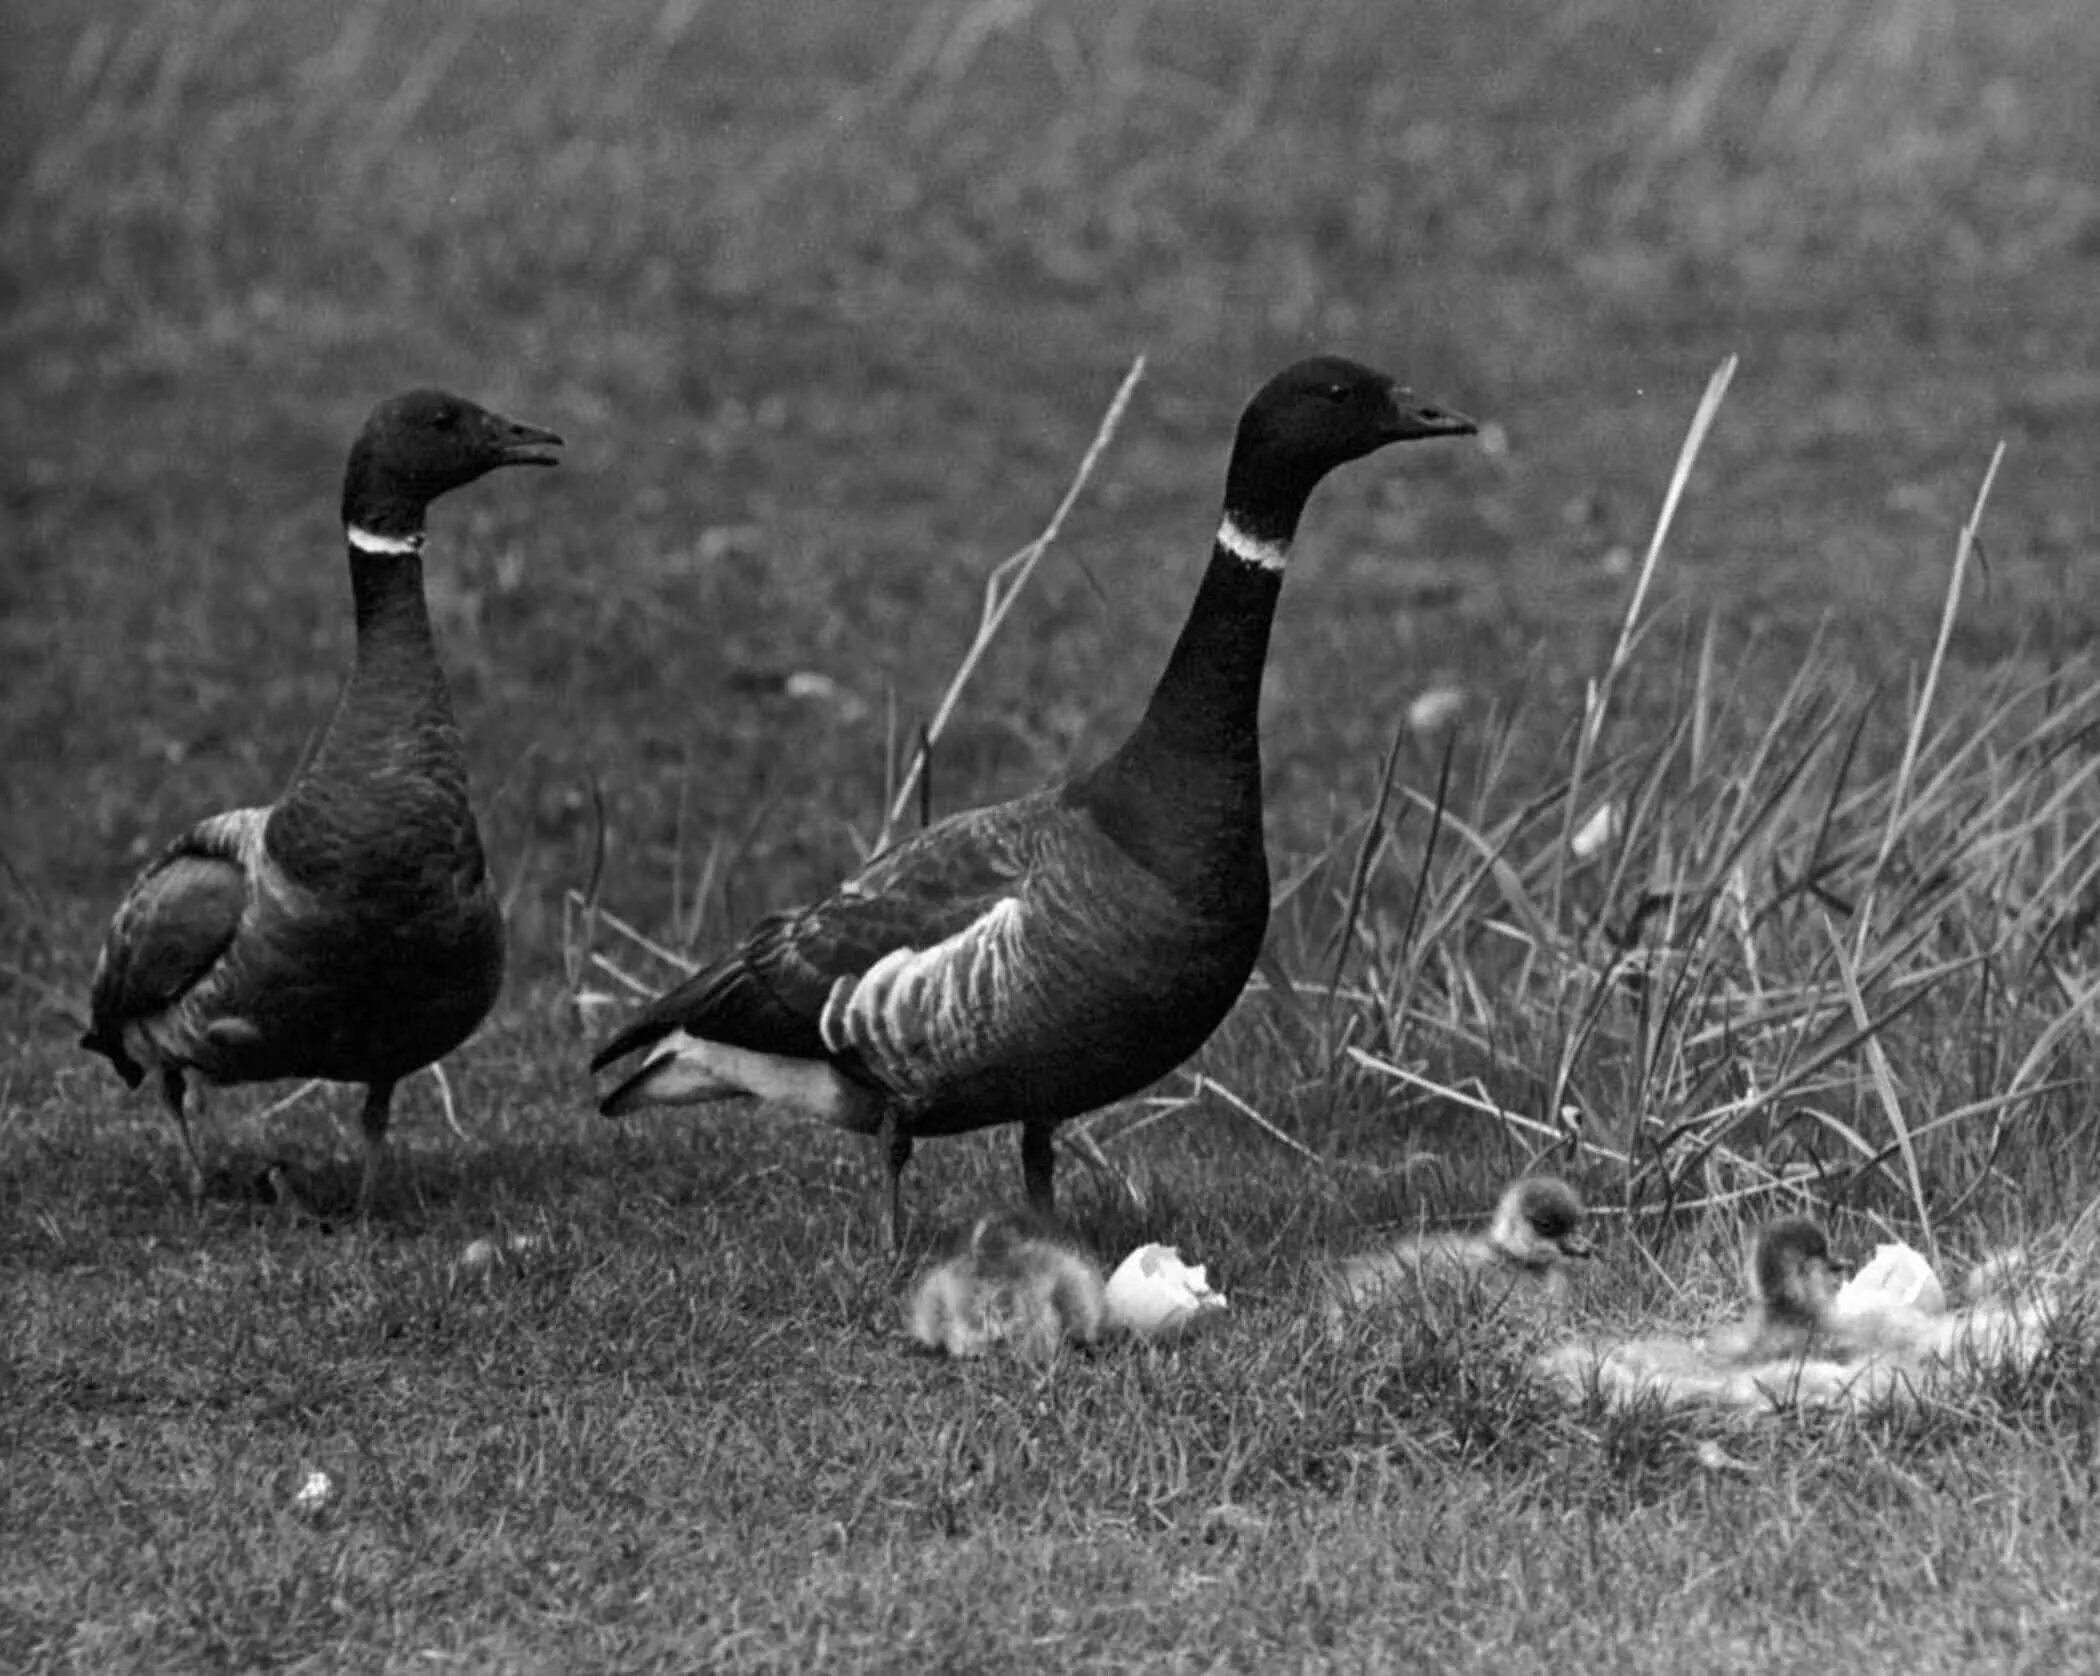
379,1101
173,1091
896,1145
1038,1165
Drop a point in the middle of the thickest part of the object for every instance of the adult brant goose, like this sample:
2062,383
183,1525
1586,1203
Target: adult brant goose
1033,960
349,930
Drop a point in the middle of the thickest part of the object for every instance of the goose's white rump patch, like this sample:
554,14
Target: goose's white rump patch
1250,549
687,1070
365,541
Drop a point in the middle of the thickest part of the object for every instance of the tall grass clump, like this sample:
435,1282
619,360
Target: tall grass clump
1832,949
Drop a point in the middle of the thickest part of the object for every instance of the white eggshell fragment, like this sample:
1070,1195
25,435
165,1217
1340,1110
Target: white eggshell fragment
1153,1292
1896,1275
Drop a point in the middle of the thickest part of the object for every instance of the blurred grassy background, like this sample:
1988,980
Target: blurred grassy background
828,300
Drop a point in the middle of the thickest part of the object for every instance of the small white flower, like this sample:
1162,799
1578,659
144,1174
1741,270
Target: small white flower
813,686
1600,829
1154,1292
1435,706
1714,1458
484,1251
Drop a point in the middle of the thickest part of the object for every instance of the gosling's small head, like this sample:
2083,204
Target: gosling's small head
1791,1270
1001,1238
1540,1223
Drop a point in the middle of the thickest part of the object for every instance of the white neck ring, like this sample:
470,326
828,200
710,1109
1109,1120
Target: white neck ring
1251,549
367,541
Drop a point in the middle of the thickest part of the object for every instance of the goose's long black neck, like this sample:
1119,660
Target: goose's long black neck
1208,701
1183,793
383,532
394,715
395,644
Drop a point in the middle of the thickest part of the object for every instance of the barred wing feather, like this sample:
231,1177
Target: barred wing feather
919,1018
926,929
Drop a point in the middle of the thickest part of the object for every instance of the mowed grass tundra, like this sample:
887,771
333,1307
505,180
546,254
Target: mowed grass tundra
1757,881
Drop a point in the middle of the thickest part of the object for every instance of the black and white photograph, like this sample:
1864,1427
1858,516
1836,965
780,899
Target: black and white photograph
1036,836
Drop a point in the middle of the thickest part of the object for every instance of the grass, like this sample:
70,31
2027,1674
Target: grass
830,304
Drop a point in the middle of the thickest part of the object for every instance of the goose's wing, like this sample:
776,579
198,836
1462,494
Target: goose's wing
174,925
901,962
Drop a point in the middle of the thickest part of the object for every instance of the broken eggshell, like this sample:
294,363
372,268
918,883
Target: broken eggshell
1154,1293
1896,1276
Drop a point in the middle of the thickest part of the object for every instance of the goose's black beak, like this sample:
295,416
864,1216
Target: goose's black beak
1412,418
528,445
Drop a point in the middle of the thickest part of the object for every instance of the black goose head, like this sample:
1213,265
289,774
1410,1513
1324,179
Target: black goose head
426,443
1308,419
1792,1272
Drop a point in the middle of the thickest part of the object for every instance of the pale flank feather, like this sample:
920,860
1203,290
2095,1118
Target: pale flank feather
917,1015
211,1008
